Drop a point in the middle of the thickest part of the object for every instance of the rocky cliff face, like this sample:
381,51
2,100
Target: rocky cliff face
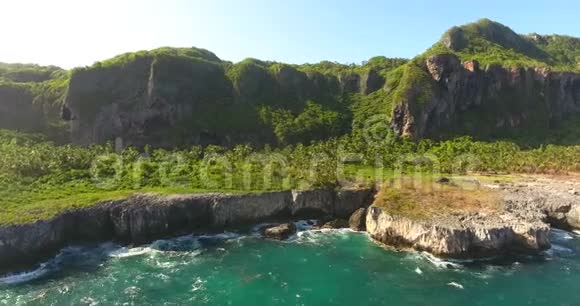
164,100
464,98
454,236
144,218
530,206
17,111
146,100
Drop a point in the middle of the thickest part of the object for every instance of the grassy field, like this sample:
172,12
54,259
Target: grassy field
426,200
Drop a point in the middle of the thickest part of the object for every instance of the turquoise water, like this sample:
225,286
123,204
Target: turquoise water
316,268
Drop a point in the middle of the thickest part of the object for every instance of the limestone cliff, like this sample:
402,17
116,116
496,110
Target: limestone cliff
483,79
464,98
169,97
458,236
146,217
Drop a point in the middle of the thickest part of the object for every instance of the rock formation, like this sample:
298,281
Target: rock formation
458,236
154,97
280,232
357,221
530,207
144,218
462,98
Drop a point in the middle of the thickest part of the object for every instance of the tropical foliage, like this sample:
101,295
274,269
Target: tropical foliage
39,178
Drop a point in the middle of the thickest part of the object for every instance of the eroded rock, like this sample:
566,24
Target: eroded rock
458,236
335,224
280,232
357,221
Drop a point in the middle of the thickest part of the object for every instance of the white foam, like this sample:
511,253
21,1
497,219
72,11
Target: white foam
305,225
440,263
222,236
558,250
25,276
456,285
418,271
562,235
130,252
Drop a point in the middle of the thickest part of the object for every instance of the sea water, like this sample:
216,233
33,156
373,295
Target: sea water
329,267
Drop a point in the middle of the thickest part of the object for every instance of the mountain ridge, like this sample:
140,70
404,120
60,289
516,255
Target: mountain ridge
180,96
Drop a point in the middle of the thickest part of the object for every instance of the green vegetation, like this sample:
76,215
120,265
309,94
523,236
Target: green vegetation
127,58
314,123
311,125
492,43
39,179
34,96
25,73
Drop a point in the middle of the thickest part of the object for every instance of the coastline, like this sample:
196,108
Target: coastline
532,207
144,218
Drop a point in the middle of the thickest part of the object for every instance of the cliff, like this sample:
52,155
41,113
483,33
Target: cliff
144,218
169,97
521,223
30,98
485,80
458,98
480,79
469,236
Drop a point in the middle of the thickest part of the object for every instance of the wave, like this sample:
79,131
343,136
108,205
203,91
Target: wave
443,263
456,285
68,254
125,252
561,235
24,277
558,250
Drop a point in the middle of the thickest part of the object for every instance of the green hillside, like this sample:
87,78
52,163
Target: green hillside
181,96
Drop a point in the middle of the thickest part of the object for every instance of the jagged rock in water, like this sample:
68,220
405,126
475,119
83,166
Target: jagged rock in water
335,224
280,232
573,217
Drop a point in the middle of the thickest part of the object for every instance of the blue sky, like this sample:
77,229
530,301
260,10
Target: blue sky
72,33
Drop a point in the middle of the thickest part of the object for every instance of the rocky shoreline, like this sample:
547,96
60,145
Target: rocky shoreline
143,218
531,206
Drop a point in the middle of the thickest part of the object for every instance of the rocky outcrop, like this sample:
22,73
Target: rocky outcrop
358,219
145,99
280,232
463,98
328,202
458,236
246,209
335,224
530,205
146,217
313,202
552,201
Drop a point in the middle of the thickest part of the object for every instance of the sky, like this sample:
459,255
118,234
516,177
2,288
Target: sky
71,33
